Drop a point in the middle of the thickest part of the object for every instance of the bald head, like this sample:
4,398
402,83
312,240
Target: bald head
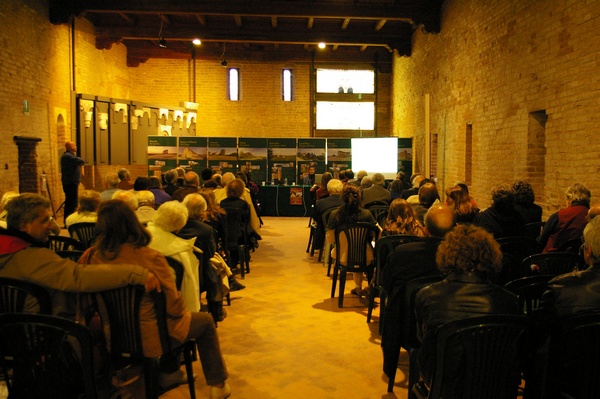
227,178
439,220
71,147
191,179
593,212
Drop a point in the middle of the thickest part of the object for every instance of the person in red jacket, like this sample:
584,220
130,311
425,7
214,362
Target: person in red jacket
568,223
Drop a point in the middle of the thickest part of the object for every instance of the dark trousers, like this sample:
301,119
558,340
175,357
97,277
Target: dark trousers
71,192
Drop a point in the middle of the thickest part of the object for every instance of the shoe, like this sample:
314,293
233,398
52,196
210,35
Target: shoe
220,393
221,314
364,292
235,285
172,380
355,291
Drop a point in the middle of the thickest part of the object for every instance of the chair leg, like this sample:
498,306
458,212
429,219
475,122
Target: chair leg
342,288
334,280
247,258
151,375
413,371
371,303
329,266
228,299
241,260
310,239
381,309
187,354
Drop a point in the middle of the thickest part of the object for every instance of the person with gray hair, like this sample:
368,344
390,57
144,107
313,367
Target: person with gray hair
578,291
567,224
171,182
124,179
335,188
111,180
168,221
23,256
191,184
5,198
89,201
501,219
376,193
145,211
128,197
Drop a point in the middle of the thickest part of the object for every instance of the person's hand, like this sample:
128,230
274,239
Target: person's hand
152,283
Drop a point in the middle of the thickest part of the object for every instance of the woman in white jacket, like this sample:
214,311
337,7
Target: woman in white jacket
169,219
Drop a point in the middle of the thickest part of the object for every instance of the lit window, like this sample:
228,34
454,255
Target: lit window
345,81
345,115
286,85
234,84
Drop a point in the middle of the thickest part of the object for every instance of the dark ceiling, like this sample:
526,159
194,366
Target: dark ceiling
355,31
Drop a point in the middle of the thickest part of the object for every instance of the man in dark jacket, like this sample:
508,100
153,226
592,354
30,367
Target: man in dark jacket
71,176
502,219
334,187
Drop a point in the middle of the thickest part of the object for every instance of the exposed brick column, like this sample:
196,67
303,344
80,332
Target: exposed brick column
28,173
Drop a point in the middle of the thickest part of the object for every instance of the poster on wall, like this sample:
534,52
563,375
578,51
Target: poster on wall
405,156
311,153
282,160
222,154
162,154
252,157
339,155
192,153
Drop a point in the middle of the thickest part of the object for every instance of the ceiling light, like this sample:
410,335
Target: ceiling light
321,45
197,41
223,63
162,42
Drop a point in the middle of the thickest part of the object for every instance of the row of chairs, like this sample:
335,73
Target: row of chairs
496,348
37,360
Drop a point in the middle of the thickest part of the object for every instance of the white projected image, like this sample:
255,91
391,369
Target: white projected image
376,155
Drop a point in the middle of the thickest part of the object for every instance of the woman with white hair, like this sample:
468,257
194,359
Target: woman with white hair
169,219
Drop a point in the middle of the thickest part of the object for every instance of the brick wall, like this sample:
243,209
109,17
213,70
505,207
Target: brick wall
494,65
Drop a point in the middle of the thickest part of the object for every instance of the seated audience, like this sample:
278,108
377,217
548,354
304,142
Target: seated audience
111,181
359,176
322,191
206,175
346,176
568,223
376,193
402,220
89,201
124,180
160,196
334,188
141,183
122,239
128,197
366,182
579,291
396,188
180,176
465,188
235,190
214,216
210,184
593,212
349,212
414,190
191,184
171,182
501,219
145,211
169,219
402,177
222,193
427,196
5,198
524,202
23,256
407,262
468,256
464,210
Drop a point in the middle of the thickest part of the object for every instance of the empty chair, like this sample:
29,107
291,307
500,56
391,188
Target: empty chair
84,233
38,348
477,357
62,243
572,246
533,229
377,208
355,238
529,290
574,358
519,247
553,263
